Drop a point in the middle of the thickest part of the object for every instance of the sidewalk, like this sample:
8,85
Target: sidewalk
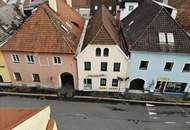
93,99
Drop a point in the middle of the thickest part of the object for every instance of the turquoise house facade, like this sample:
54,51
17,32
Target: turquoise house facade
156,78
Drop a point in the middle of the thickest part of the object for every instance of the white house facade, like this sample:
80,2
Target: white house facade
100,72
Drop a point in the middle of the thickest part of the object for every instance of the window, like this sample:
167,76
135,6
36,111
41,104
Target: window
186,67
98,52
106,52
15,58
57,60
30,59
116,67
170,38
103,82
96,7
114,82
17,76
166,38
143,65
35,78
87,65
88,83
64,28
162,37
110,8
131,7
103,66
168,66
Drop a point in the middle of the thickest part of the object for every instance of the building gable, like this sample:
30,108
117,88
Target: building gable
103,37
162,23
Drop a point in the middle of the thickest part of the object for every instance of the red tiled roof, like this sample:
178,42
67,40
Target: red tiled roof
71,16
11,117
81,3
42,32
103,29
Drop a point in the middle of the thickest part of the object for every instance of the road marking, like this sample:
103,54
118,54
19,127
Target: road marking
187,122
151,109
152,113
154,117
150,105
170,122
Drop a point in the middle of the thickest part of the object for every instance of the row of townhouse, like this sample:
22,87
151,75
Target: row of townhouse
146,51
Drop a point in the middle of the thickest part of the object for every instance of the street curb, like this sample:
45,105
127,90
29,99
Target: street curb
28,94
132,101
89,98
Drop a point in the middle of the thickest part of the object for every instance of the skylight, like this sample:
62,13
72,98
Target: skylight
64,28
131,23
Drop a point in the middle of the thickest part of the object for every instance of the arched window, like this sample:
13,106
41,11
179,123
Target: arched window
106,52
98,52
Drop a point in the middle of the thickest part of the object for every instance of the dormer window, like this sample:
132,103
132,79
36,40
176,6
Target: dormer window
18,17
64,28
131,7
5,27
76,24
110,8
95,7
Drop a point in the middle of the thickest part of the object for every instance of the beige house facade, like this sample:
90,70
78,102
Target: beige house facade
110,78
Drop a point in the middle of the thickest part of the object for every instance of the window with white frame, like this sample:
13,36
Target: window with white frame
114,82
15,58
57,60
170,38
88,83
17,76
131,7
30,59
143,65
162,38
186,67
95,7
103,82
35,77
166,38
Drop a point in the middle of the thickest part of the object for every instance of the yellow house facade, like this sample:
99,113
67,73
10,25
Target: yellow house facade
4,73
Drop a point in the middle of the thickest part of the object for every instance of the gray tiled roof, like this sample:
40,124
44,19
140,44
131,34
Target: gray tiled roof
143,25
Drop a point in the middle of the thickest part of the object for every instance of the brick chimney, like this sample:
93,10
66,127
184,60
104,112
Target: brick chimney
53,4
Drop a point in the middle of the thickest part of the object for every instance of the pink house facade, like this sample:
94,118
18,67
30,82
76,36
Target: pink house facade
50,73
42,52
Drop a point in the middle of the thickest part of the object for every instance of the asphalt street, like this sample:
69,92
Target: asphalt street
108,116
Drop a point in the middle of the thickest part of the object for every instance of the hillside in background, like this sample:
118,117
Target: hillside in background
183,16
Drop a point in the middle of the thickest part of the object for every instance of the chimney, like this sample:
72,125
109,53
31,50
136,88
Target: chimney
53,4
118,18
69,2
